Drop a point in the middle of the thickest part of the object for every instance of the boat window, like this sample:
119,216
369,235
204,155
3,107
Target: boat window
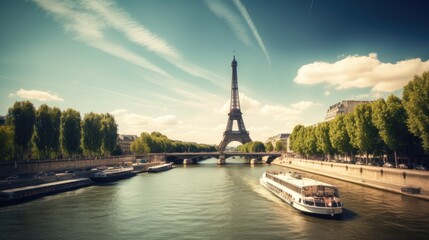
320,191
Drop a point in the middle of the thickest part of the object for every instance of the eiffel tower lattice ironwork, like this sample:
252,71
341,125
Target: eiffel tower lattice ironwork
230,135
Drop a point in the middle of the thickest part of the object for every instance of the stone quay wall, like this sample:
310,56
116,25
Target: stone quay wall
395,176
21,167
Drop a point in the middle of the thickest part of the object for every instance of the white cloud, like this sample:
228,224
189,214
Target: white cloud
167,119
279,112
234,22
252,26
89,19
88,27
362,72
303,105
132,123
327,93
36,95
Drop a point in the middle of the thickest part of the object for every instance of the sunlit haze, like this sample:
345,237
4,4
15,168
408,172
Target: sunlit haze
166,65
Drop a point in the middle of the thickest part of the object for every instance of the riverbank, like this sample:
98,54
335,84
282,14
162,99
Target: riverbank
392,180
28,188
8,168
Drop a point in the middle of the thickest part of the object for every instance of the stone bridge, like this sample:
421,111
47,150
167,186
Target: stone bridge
194,157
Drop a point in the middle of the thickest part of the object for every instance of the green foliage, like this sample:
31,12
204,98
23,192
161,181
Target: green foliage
47,130
269,147
117,151
390,119
22,117
416,102
109,130
367,138
92,137
6,142
297,139
56,129
140,145
158,143
252,147
70,132
323,141
340,139
279,146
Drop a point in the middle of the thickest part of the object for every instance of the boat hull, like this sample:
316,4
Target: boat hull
160,168
23,194
295,203
105,179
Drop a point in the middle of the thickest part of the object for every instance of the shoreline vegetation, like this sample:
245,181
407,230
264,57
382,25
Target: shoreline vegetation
48,134
374,132
377,132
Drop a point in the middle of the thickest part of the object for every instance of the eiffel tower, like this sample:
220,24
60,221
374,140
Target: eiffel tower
230,135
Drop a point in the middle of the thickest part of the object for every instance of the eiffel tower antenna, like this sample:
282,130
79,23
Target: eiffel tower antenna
230,135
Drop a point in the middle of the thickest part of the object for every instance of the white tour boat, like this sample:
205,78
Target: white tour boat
304,194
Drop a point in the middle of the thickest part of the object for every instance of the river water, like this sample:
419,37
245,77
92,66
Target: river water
207,201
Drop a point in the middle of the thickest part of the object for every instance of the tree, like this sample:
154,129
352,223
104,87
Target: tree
109,130
22,117
297,139
310,141
269,147
323,140
278,146
43,133
70,132
416,103
6,142
390,120
257,147
367,138
140,145
92,137
56,129
340,139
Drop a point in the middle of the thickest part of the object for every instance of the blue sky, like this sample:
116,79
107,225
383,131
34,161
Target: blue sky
166,65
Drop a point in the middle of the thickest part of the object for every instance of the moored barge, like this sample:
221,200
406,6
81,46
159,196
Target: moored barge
19,194
112,174
160,168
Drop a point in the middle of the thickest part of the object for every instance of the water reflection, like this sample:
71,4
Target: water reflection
207,201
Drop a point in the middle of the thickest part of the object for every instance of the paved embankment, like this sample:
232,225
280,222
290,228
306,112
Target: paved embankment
30,167
388,179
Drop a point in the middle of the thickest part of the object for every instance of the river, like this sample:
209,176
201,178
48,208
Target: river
207,201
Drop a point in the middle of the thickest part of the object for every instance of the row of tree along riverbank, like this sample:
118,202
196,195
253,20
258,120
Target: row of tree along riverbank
48,133
389,127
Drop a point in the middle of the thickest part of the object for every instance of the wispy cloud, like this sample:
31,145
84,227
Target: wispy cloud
252,26
88,27
139,34
236,23
304,105
88,20
362,72
37,95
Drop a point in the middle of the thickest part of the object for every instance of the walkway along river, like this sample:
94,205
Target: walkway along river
207,201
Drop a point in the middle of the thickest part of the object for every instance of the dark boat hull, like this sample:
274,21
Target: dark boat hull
112,178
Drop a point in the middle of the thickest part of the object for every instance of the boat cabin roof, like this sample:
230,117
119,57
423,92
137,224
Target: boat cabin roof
298,179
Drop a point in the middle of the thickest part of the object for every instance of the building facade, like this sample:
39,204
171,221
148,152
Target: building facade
343,107
124,142
283,137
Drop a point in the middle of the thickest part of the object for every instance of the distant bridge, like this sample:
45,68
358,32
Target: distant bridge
194,157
